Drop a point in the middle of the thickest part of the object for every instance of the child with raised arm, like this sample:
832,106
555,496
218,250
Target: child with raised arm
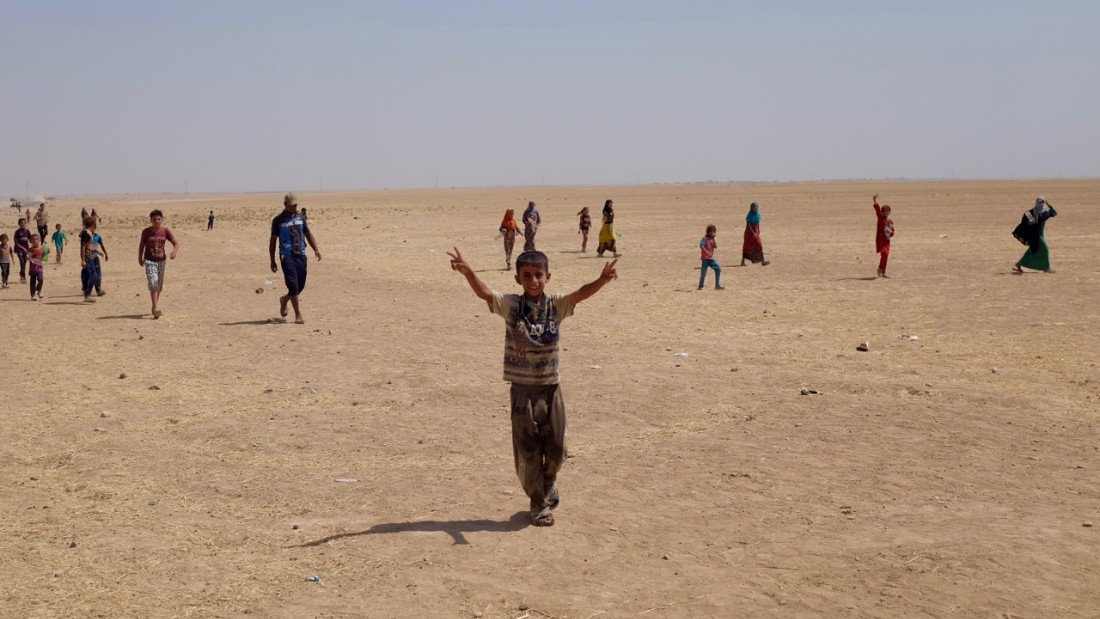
532,327
707,245
884,231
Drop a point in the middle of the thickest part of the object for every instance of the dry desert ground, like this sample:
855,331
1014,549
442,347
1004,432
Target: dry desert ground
207,464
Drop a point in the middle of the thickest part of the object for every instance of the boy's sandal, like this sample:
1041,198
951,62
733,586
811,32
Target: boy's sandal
542,518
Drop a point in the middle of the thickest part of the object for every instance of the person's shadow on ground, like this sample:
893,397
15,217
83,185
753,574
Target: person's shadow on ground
455,528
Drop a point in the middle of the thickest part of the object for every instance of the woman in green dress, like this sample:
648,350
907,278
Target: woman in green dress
1030,232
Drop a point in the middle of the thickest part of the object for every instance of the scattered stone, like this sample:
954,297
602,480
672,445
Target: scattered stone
260,290
994,370
141,337
269,391
154,388
295,527
478,614
523,607
122,375
864,347
665,557
72,544
1086,524
845,509
105,414
806,391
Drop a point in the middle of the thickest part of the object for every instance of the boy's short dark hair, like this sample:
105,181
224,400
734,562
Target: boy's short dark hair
156,213
3,237
532,259
22,220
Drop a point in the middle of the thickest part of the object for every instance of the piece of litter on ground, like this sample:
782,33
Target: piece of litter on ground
346,480
806,391
864,347
681,354
313,579
911,338
268,282
595,367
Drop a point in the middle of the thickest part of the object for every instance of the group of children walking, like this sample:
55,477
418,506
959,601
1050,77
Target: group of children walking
32,252
28,247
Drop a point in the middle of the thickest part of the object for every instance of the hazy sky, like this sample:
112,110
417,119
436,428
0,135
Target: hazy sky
141,96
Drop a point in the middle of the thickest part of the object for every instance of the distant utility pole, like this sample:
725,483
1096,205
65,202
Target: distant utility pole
321,181
185,192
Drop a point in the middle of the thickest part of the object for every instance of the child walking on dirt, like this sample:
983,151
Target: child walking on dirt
884,231
531,333
6,255
707,245
151,255
58,242
583,226
35,256
91,246
22,247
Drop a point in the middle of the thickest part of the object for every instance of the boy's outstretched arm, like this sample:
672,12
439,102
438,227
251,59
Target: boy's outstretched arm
593,287
458,264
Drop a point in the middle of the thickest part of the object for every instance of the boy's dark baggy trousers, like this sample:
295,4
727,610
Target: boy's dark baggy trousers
538,438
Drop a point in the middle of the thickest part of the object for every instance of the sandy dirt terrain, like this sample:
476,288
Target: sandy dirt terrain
207,464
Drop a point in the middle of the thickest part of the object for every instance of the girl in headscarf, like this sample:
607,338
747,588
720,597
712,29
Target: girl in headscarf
531,222
753,249
508,228
585,224
1030,232
607,231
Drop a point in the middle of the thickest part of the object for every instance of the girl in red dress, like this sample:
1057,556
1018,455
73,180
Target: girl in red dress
884,231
